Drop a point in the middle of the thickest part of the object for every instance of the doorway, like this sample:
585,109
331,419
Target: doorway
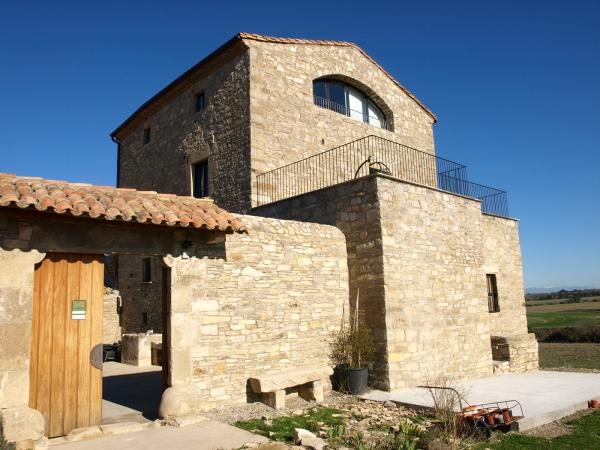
133,383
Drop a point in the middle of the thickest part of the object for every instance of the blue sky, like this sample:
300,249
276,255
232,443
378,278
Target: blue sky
515,86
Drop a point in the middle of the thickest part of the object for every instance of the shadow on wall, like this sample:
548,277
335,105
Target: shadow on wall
139,391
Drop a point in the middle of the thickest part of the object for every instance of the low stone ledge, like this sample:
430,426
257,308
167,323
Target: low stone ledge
120,428
79,434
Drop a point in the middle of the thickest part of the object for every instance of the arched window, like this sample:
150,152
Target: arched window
345,99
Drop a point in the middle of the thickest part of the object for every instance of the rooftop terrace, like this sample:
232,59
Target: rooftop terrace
373,154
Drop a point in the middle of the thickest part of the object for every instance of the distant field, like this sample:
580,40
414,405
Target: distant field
572,356
554,301
565,315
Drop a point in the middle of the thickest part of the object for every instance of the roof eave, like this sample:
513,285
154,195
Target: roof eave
179,79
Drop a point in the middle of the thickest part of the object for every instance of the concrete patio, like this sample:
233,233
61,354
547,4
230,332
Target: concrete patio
204,436
130,393
545,396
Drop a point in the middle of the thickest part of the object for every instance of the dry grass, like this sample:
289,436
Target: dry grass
564,307
569,356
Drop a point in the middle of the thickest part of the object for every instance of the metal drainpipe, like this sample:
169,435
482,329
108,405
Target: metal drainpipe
116,141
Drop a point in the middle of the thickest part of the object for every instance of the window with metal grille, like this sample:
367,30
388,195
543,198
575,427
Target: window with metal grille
200,181
345,99
199,101
492,289
146,270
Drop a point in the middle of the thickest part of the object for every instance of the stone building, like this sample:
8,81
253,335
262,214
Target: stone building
327,166
317,131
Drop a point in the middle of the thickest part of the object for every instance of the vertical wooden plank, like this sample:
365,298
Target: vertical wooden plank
35,317
83,372
57,319
96,317
45,340
71,347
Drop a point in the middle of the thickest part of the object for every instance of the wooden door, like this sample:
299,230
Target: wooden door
63,384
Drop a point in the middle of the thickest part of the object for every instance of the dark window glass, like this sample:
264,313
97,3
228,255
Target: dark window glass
146,270
337,93
146,135
319,89
492,289
200,179
145,318
199,101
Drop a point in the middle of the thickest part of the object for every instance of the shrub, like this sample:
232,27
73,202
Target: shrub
582,334
353,347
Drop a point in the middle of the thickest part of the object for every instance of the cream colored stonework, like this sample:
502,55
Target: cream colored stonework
417,260
260,114
287,126
270,303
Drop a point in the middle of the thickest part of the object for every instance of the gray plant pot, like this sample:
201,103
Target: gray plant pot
358,379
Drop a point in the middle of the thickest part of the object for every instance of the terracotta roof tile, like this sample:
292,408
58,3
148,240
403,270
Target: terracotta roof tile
110,203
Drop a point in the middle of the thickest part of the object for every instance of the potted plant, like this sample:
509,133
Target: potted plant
351,352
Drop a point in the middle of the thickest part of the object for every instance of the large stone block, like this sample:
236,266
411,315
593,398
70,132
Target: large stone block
21,423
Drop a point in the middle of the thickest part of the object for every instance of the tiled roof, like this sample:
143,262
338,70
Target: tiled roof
110,203
258,37
188,76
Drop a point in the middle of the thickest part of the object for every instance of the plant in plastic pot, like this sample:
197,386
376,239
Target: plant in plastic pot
351,351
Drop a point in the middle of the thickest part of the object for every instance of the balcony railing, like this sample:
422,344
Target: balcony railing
355,114
373,154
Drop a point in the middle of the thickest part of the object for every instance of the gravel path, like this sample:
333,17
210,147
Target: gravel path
259,410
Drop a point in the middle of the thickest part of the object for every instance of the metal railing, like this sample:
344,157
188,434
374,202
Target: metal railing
353,113
366,156
493,201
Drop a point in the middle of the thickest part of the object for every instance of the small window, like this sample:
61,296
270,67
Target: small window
145,318
199,101
146,270
200,180
146,135
492,289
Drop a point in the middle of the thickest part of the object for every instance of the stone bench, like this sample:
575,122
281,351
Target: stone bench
273,386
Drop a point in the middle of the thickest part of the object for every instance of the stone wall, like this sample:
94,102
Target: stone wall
352,207
286,124
418,257
181,136
142,301
519,351
502,256
111,323
271,303
436,302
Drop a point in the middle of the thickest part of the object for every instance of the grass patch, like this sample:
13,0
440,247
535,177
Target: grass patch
585,435
569,318
576,356
282,428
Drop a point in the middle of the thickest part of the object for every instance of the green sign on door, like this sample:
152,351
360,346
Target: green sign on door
78,309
